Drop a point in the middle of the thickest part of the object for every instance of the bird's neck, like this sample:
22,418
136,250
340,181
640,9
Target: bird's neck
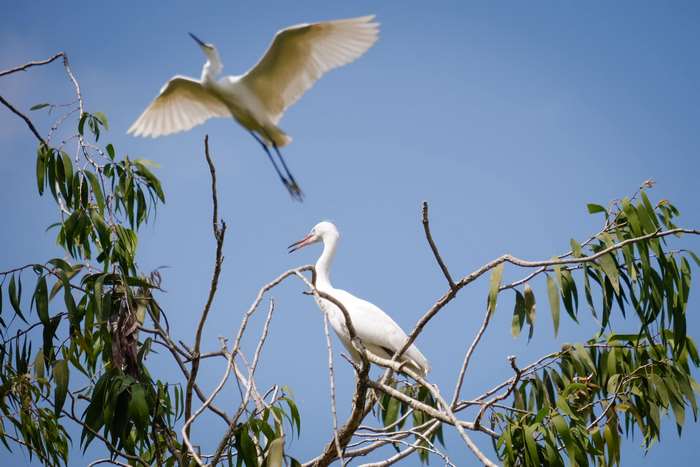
323,265
212,68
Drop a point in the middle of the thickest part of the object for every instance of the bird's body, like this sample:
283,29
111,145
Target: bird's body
377,330
298,56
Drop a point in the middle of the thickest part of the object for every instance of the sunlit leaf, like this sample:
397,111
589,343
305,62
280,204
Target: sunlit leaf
595,208
60,376
495,284
553,295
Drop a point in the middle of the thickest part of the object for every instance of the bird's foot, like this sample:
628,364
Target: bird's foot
294,190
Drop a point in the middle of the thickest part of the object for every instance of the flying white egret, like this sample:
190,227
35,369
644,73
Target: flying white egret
297,57
378,332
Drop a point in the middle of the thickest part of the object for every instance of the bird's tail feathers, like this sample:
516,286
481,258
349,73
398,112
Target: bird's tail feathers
418,359
275,135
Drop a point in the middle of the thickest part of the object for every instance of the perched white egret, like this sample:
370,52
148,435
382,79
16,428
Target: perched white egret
378,332
297,57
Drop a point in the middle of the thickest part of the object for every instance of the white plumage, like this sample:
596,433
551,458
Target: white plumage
297,57
378,332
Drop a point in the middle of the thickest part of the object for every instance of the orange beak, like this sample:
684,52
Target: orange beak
308,240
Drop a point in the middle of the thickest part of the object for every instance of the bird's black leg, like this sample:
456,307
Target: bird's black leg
294,184
285,182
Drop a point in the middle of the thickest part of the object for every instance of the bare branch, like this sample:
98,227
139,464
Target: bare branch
360,409
433,247
331,377
229,366
26,119
511,388
219,234
468,356
107,461
24,67
31,64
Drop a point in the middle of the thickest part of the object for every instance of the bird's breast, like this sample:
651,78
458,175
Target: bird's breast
244,105
335,318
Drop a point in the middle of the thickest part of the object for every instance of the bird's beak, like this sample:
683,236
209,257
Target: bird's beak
197,40
308,240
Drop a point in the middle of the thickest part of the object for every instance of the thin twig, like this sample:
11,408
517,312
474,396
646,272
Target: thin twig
219,234
433,247
331,378
26,119
468,356
107,461
511,388
234,351
31,64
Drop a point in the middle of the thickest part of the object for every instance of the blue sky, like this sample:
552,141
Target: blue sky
508,119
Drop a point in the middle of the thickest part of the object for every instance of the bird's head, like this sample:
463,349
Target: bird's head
206,47
214,62
322,231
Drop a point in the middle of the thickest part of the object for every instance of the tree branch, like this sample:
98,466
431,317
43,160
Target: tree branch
511,388
433,247
26,120
219,234
450,294
31,64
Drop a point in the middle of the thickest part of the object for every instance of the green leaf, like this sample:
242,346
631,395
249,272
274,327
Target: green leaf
246,448
110,151
607,263
275,453
553,295
97,294
294,411
493,288
529,433
695,258
15,291
70,304
102,119
38,106
392,412
65,176
530,304
138,408
81,123
518,314
153,181
563,430
39,365
595,208
96,190
94,413
613,442
41,168
576,249
60,376
585,357
41,299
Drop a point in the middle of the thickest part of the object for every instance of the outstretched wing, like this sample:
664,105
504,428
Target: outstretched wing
299,55
183,103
